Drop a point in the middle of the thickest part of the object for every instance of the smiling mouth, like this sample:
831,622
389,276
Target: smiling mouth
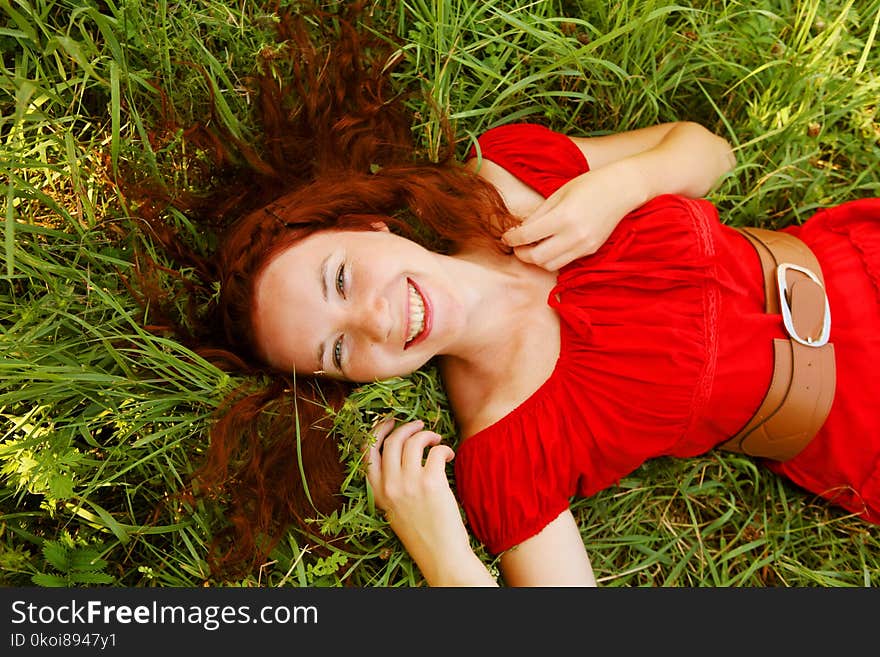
419,323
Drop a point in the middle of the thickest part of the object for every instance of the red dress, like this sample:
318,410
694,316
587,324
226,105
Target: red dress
665,349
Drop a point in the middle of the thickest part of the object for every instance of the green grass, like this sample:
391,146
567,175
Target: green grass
102,422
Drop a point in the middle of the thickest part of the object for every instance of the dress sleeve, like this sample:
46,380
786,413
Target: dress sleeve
541,158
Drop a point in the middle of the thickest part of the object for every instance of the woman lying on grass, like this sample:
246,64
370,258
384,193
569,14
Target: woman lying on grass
586,311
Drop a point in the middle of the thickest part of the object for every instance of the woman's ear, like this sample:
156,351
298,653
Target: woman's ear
381,225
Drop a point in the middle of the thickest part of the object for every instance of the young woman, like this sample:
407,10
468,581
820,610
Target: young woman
586,310
658,343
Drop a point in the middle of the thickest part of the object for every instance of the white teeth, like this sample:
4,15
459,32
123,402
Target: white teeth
416,312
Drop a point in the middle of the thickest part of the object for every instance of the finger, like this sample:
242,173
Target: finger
539,225
540,253
393,447
543,208
414,448
525,254
571,246
374,468
438,457
558,262
374,465
527,232
380,430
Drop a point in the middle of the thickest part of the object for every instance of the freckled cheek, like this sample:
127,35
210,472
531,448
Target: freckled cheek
365,364
377,363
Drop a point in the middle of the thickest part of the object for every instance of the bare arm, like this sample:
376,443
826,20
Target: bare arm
669,158
553,557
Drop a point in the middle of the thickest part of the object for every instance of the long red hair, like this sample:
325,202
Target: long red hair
336,153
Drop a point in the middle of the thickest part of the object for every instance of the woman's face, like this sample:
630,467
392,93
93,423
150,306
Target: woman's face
356,305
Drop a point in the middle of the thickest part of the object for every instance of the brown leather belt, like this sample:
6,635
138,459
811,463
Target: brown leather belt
802,388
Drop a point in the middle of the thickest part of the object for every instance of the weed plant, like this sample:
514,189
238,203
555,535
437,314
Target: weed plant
103,422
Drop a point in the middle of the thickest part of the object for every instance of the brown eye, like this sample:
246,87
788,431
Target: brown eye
337,354
340,280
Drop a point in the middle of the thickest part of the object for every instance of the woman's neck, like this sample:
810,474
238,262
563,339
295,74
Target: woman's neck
510,324
501,293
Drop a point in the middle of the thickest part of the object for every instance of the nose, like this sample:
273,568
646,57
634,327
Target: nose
374,320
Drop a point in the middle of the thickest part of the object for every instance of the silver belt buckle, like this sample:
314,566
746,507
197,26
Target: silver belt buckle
786,308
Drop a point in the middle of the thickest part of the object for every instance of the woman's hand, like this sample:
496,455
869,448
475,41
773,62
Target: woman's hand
627,169
572,222
413,491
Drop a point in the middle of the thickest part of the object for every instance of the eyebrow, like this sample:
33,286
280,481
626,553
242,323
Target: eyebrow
323,274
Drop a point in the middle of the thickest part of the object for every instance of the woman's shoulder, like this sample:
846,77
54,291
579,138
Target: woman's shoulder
519,198
536,158
521,141
477,401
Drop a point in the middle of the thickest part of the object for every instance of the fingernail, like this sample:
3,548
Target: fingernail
379,420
